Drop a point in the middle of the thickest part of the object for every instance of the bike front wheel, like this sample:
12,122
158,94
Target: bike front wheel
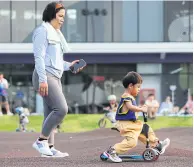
102,123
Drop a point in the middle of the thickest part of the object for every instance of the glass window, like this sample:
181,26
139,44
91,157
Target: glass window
71,26
108,70
74,27
40,6
191,20
176,23
190,80
179,75
99,27
175,68
5,21
150,21
191,68
23,21
125,21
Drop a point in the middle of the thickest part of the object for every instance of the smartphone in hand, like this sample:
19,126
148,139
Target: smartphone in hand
74,68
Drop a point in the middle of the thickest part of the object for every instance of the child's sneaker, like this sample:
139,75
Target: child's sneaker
42,147
112,155
56,153
161,147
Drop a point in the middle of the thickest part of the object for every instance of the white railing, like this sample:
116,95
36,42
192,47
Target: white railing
168,47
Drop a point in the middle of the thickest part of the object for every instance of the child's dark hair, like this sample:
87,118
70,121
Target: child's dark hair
51,10
132,78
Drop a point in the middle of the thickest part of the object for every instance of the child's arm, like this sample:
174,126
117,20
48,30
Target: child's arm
133,108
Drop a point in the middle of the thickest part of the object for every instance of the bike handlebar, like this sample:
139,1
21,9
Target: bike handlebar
145,117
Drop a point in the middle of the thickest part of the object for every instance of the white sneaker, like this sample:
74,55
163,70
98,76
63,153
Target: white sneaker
9,113
111,154
1,114
162,145
56,153
42,147
165,143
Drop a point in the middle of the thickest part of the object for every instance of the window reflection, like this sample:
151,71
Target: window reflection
72,26
39,10
28,15
177,21
75,24
4,21
23,21
123,21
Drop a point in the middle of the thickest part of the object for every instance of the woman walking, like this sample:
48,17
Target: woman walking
49,45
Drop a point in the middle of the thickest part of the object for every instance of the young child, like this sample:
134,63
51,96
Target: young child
112,108
128,124
23,119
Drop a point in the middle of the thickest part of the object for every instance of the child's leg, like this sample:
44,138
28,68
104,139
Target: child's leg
153,140
149,112
23,127
1,107
155,109
130,130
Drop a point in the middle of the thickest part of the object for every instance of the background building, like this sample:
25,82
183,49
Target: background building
153,38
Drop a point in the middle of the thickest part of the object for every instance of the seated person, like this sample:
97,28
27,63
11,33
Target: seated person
153,106
188,107
166,107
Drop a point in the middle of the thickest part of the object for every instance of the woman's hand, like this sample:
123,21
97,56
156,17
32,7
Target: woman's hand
73,62
76,61
43,89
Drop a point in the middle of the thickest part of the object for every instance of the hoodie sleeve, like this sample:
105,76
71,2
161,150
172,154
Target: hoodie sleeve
40,44
66,65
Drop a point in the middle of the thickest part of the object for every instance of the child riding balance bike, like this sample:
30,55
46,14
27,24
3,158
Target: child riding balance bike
110,112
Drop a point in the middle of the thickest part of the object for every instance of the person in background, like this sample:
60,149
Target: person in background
152,105
166,107
23,119
112,108
4,95
188,107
